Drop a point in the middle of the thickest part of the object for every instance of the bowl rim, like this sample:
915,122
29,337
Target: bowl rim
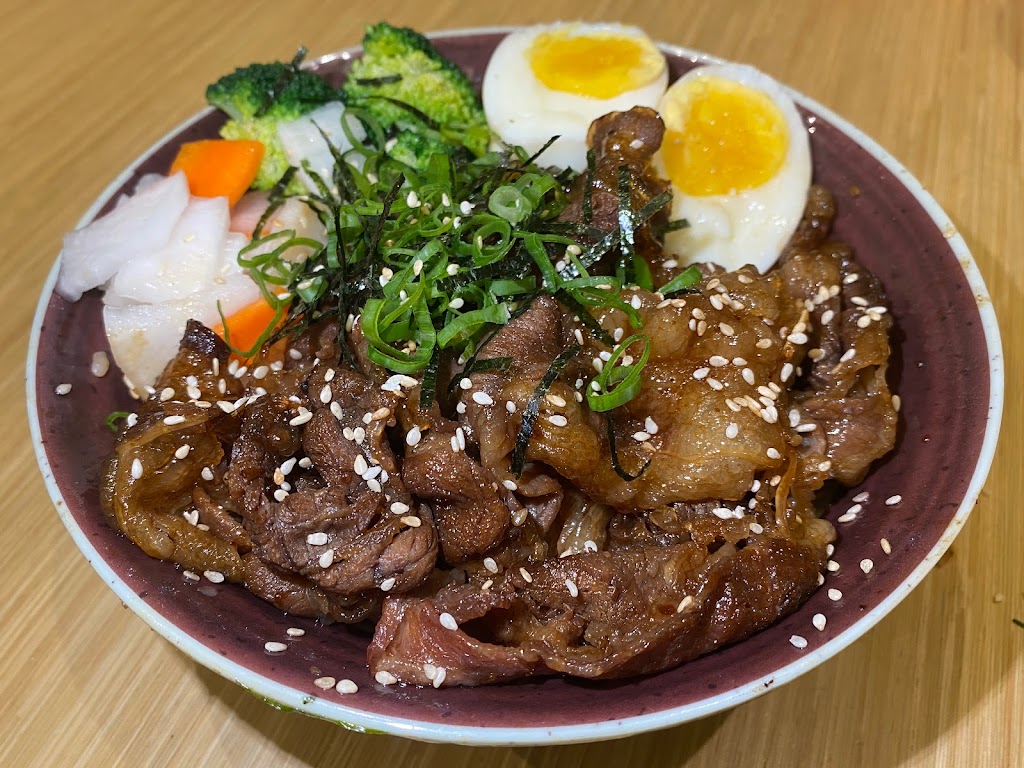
286,697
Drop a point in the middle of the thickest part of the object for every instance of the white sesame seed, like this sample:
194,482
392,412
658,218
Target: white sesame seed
326,683
715,384
862,497
722,513
896,402
510,485
448,621
797,338
388,584
482,398
886,546
62,389
385,678
821,579
685,603
641,436
136,468
726,329
346,686
718,361
526,575
787,371
835,595
763,343
650,426
832,566
825,466
303,417
326,559
866,565
847,517
280,494
773,453
439,677
893,500
171,421
819,620
412,437
273,646
490,565
756,528
701,373
798,642
215,577
589,546
558,420
816,354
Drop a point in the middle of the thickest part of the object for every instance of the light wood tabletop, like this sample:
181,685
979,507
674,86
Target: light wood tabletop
90,84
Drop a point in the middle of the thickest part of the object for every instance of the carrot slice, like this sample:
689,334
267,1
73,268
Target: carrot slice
245,326
219,167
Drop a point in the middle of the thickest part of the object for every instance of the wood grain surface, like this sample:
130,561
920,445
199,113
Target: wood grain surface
87,86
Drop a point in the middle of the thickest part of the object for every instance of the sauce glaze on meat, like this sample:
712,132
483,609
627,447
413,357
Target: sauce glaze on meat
324,489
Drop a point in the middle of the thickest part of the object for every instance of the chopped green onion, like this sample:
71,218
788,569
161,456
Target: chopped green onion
681,282
619,383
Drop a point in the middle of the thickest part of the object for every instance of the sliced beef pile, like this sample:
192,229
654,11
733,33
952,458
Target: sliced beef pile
608,544
280,477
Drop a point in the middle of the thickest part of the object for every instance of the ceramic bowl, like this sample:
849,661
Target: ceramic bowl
947,369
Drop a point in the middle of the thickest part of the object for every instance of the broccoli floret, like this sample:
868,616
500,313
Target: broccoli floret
259,97
400,65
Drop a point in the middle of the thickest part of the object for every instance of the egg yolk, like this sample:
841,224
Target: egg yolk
598,66
729,138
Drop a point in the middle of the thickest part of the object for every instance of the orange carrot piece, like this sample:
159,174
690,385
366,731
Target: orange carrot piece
246,325
219,167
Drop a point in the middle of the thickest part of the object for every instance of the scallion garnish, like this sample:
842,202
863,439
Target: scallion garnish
532,409
619,382
685,280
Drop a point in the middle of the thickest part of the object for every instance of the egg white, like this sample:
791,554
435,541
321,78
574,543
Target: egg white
522,110
750,226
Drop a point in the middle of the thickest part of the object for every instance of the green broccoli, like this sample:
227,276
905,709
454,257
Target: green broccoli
400,65
259,97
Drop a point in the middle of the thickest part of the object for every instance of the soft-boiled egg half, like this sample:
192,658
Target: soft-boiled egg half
554,80
738,157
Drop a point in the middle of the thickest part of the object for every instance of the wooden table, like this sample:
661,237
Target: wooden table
89,85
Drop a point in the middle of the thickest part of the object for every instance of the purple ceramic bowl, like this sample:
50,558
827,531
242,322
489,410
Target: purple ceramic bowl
947,370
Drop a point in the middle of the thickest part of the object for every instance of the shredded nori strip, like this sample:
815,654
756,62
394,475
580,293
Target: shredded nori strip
282,82
588,205
532,409
619,470
428,384
373,82
480,366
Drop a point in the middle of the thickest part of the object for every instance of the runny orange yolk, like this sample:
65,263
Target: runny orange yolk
598,66
723,137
